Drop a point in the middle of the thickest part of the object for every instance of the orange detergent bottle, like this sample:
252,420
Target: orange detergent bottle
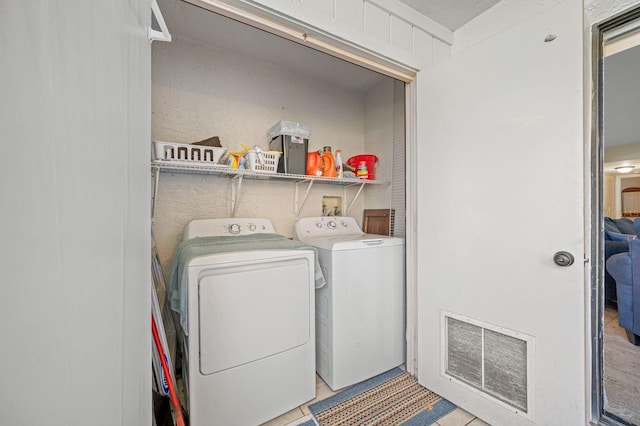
314,164
328,163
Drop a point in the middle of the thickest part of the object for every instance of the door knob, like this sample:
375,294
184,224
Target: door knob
563,258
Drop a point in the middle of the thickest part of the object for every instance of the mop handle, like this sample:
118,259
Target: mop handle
165,368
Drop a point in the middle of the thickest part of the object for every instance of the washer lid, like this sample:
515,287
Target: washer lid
353,242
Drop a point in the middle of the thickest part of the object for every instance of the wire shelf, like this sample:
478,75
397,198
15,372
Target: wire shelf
225,171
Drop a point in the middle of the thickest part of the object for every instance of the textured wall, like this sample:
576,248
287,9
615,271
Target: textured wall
203,90
600,10
379,140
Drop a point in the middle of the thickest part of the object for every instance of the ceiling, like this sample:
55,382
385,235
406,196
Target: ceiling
451,14
184,19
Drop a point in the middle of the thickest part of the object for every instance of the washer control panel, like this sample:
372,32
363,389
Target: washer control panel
326,226
227,226
244,228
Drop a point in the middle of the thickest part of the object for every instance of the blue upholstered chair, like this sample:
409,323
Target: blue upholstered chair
614,228
625,269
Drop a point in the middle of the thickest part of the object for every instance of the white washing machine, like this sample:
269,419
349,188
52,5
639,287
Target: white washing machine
360,315
246,301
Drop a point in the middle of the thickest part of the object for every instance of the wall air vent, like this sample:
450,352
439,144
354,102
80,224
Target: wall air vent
492,360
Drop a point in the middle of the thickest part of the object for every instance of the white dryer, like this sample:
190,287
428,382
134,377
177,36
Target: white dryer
360,315
245,296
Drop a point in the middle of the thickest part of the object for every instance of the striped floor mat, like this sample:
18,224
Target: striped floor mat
393,398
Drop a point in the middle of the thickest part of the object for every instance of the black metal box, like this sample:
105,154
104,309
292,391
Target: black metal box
294,153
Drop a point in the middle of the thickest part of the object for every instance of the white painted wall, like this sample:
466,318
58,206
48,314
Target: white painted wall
629,182
622,152
201,90
378,135
601,10
609,195
504,15
387,27
74,298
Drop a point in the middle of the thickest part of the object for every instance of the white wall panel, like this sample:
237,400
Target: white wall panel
364,25
440,50
503,15
402,11
324,6
351,12
376,22
423,45
75,294
401,34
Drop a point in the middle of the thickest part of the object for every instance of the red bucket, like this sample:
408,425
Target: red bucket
370,160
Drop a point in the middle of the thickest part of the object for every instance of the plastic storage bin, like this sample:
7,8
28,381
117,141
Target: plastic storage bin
200,154
294,149
262,161
290,128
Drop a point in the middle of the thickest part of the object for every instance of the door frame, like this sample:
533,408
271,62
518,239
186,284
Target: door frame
266,19
411,224
598,414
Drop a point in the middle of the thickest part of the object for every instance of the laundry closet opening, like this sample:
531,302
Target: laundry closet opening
219,77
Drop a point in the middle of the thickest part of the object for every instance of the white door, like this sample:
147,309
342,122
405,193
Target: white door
500,190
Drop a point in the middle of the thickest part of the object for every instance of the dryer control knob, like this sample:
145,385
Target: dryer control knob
252,227
331,224
234,229
343,223
318,225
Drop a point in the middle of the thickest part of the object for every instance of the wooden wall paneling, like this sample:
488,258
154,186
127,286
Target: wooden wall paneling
378,221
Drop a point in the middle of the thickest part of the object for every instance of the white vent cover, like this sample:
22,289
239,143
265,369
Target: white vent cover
492,360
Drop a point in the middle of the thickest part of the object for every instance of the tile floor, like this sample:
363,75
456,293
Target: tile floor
299,415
